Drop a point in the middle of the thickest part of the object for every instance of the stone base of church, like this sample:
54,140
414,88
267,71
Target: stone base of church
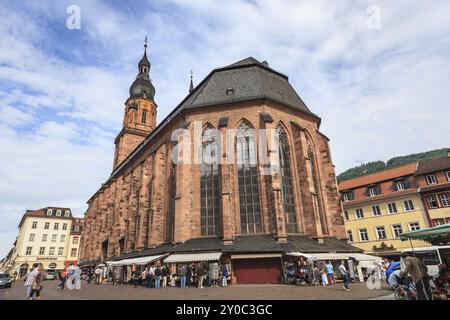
256,259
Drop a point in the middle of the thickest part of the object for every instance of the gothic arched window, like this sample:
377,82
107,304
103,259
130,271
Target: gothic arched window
316,187
249,203
209,185
287,189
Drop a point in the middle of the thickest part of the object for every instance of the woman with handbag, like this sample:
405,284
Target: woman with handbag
36,287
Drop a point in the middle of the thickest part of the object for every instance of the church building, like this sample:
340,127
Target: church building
276,196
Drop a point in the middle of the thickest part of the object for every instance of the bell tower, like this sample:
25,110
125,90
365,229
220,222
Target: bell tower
139,118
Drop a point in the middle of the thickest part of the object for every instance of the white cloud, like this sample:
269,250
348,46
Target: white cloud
380,93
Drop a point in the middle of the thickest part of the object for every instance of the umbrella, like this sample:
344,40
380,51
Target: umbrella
392,267
434,235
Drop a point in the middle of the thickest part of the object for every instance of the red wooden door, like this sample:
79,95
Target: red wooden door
257,271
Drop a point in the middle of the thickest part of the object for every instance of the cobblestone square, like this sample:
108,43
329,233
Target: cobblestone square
358,291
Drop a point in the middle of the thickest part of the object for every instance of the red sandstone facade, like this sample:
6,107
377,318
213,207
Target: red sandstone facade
149,201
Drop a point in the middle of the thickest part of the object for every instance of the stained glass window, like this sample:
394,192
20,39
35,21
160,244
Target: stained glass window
250,209
287,190
209,185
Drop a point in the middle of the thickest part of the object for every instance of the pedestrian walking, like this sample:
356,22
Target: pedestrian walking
201,275
324,277
135,278
329,269
144,276
37,285
62,279
90,275
151,277
164,274
157,277
188,275
343,271
98,275
117,275
30,279
214,273
224,276
419,274
182,273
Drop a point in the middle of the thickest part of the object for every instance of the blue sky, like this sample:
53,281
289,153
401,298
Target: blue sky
380,92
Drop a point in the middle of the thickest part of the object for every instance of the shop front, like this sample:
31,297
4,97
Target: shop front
210,262
127,266
257,268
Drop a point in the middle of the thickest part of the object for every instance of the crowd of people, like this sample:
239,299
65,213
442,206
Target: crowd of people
214,274
314,273
161,276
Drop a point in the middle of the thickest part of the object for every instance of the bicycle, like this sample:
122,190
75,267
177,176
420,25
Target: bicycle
406,290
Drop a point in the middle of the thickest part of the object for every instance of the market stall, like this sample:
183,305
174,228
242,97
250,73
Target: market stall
436,235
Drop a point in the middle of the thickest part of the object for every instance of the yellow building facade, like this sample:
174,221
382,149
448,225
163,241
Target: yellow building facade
384,228
379,207
43,237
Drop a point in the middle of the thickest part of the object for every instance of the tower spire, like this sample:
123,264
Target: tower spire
191,85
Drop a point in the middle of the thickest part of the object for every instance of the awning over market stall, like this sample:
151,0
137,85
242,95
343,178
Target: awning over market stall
256,256
193,257
365,260
435,235
321,256
137,261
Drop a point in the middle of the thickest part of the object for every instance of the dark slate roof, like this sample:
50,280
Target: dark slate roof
144,61
257,243
244,244
434,165
305,244
250,80
88,263
200,244
161,249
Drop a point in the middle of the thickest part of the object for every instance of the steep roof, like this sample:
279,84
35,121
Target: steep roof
250,79
245,80
385,175
433,165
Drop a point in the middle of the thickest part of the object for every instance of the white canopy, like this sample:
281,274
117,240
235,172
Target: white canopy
320,256
365,260
136,261
256,256
193,257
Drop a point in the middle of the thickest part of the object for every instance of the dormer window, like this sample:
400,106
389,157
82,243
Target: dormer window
345,197
348,196
431,179
400,184
230,91
49,212
58,213
373,191
67,213
280,95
